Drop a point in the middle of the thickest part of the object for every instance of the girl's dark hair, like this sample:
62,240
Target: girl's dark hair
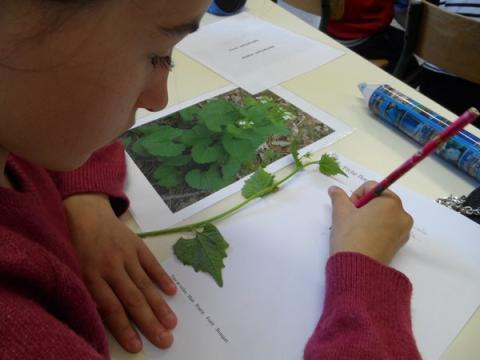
54,13
71,1
69,7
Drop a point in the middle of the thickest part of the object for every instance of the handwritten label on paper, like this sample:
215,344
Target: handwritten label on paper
353,173
200,309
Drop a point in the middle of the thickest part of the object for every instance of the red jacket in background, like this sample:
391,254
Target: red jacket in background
362,18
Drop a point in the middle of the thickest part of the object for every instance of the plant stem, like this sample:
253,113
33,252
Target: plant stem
202,223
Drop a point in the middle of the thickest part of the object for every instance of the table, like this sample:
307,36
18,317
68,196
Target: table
332,88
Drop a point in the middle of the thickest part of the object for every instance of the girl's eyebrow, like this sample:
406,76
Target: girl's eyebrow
179,30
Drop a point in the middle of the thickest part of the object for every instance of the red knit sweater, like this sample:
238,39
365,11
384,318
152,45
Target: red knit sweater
46,311
366,314
362,18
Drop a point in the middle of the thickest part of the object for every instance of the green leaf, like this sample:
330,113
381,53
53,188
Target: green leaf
239,132
256,141
188,114
210,180
168,176
162,143
238,148
249,134
179,160
259,181
258,113
195,134
205,252
126,140
158,147
294,152
273,129
204,153
138,148
269,156
147,129
217,114
250,101
230,168
166,132
328,165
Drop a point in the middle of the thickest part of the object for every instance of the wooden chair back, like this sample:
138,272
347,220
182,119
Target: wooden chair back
327,9
316,7
449,41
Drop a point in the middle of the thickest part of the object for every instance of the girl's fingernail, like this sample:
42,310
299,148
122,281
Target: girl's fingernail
165,339
172,317
135,344
172,286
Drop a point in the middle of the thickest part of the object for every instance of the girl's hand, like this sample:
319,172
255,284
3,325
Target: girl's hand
378,229
121,273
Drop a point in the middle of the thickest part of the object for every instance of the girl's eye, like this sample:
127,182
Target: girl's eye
163,61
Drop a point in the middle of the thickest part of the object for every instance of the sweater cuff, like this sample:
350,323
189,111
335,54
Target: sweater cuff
104,173
354,279
359,274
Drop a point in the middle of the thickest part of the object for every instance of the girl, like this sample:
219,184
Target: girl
73,73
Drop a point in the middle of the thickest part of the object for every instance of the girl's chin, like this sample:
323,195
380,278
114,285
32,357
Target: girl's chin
66,164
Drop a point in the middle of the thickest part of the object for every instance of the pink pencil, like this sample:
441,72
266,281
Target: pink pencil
469,116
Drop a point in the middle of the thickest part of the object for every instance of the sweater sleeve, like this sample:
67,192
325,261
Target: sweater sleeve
366,314
104,172
27,331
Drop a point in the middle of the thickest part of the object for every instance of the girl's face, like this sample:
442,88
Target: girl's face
75,86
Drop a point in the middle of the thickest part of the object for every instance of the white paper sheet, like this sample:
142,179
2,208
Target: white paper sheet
152,213
274,276
254,54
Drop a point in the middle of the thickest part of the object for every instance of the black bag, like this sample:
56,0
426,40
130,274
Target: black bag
468,206
473,201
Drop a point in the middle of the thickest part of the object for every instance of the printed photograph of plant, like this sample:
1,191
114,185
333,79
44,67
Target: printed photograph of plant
197,151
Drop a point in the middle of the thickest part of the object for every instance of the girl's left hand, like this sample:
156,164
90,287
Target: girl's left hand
121,273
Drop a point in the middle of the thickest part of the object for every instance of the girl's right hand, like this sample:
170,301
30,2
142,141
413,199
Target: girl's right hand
378,229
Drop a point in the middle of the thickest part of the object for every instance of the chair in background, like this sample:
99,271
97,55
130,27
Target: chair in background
327,9
447,40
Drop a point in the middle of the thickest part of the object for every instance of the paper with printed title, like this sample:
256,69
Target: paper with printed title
274,276
255,54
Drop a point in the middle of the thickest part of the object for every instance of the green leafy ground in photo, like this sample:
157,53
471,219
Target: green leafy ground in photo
193,153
